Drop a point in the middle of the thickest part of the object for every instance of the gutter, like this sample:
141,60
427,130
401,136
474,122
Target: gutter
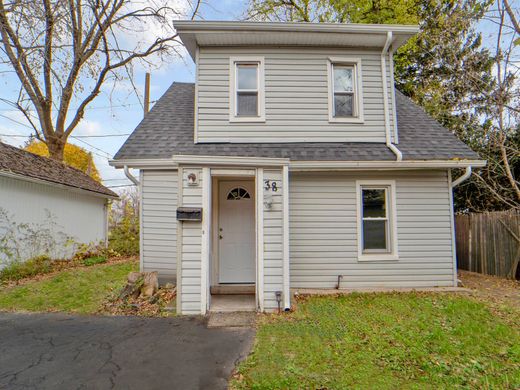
464,177
130,176
384,52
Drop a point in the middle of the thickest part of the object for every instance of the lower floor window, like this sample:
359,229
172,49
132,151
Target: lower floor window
376,224
375,219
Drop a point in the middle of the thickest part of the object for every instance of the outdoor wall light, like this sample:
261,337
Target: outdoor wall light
268,202
192,179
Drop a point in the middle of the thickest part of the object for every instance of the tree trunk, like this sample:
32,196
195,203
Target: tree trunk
56,148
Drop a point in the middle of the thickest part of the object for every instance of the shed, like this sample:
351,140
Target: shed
45,202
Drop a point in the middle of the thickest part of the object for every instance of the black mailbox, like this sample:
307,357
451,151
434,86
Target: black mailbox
189,213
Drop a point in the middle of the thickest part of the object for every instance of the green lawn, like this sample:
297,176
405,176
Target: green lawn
384,341
80,290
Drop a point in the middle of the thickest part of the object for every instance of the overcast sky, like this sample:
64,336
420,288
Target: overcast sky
124,113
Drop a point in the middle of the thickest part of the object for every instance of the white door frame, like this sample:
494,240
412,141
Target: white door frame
230,182
210,256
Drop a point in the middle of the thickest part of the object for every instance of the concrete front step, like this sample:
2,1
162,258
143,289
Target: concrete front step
232,303
237,319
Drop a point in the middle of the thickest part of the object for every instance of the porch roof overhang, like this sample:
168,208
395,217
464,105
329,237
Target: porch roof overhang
242,33
234,161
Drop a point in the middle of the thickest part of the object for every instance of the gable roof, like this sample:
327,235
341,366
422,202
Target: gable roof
167,130
20,162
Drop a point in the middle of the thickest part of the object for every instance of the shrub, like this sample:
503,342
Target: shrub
123,236
124,239
17,270
86,251
94,260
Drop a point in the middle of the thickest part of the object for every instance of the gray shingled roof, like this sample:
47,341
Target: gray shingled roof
168,130
20,162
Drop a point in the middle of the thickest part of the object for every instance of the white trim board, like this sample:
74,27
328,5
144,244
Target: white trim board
141,223
229,160
286,237
260,238
405,164
205,240
175,161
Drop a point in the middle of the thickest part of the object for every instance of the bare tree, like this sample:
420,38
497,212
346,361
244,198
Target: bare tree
497,140
64,51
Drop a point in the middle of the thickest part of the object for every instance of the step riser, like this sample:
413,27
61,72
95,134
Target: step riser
232,290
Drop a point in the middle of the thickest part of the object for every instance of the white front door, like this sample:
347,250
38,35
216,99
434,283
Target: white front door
236,231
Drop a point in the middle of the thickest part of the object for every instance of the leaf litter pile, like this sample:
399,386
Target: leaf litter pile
142,297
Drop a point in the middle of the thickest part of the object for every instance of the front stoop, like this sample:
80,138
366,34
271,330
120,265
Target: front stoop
237,319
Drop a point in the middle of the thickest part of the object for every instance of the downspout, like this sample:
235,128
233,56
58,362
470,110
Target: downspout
130,176
392,147
465,176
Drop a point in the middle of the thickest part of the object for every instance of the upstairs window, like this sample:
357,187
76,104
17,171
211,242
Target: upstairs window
345,94
247,90
343,91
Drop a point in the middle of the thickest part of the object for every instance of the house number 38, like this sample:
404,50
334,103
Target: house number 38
270,185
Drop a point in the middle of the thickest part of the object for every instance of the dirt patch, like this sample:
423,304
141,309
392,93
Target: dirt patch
501,295
498,290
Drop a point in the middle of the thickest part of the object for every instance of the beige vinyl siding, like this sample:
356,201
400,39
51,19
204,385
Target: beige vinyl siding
323,236
159,223
296,96
273,245
191,241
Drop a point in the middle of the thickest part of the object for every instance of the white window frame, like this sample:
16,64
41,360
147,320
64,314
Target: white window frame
391,212
233,88
358,116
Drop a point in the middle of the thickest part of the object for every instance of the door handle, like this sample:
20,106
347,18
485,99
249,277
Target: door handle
220,236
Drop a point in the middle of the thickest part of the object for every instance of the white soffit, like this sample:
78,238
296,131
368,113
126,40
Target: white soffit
205,33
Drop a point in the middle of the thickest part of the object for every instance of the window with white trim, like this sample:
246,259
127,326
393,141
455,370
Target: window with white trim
247,94
376,225
375,233
345,91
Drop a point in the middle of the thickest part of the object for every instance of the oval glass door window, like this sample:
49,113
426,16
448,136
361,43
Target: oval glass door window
238,193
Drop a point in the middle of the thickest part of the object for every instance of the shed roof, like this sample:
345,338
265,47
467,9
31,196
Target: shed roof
167,130
21,162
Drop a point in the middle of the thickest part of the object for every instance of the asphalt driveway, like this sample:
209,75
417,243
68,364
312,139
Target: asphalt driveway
57,351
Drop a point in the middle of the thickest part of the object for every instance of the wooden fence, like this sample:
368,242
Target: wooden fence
489,243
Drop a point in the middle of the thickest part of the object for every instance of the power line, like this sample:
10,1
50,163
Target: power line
76,136
103,135
93,107
92,146
120,186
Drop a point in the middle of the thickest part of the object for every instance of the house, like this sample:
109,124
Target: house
59,203
293,163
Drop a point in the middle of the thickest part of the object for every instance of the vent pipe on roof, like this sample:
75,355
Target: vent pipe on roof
392,147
